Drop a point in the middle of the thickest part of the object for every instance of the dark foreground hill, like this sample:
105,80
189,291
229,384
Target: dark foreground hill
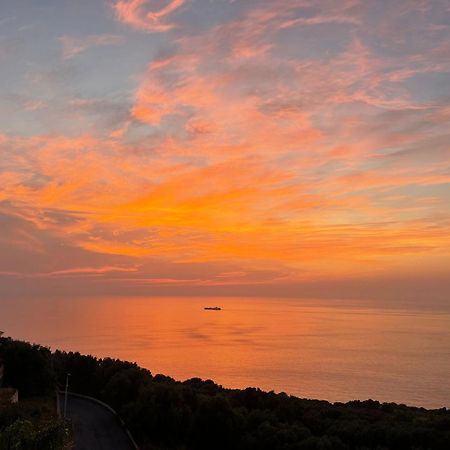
166,414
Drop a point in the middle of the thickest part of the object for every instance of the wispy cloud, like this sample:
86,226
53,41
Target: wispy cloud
73,46
147,15
322,20
71,272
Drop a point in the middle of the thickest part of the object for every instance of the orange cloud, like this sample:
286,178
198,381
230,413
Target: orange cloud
240,209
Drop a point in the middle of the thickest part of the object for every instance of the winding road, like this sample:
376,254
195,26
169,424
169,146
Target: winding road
95,427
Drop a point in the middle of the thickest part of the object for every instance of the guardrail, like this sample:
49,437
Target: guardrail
105,405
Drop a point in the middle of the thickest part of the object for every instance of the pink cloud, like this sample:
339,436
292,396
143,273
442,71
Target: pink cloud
144,15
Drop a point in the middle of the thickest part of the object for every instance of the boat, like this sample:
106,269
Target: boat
213,308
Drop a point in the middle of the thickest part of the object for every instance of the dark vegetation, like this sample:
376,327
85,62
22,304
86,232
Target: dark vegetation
165,414
31,424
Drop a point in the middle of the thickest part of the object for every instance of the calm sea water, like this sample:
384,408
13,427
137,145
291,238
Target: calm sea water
333,350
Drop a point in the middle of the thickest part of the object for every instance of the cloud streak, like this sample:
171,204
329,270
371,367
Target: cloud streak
74,46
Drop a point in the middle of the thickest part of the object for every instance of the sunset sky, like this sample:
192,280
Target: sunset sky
225,147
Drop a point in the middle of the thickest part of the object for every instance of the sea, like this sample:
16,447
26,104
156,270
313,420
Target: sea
335,350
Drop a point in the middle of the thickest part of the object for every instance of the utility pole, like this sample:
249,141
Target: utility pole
2,365
65,394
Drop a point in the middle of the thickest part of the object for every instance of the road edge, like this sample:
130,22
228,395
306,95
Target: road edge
105,405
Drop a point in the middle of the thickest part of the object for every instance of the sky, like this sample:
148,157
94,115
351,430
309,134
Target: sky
225,147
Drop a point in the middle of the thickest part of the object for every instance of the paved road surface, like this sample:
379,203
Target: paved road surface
95,427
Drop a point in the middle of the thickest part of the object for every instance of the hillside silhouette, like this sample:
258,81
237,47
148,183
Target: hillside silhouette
195,414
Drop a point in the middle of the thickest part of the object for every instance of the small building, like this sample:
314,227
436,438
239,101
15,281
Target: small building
2,365
8,396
